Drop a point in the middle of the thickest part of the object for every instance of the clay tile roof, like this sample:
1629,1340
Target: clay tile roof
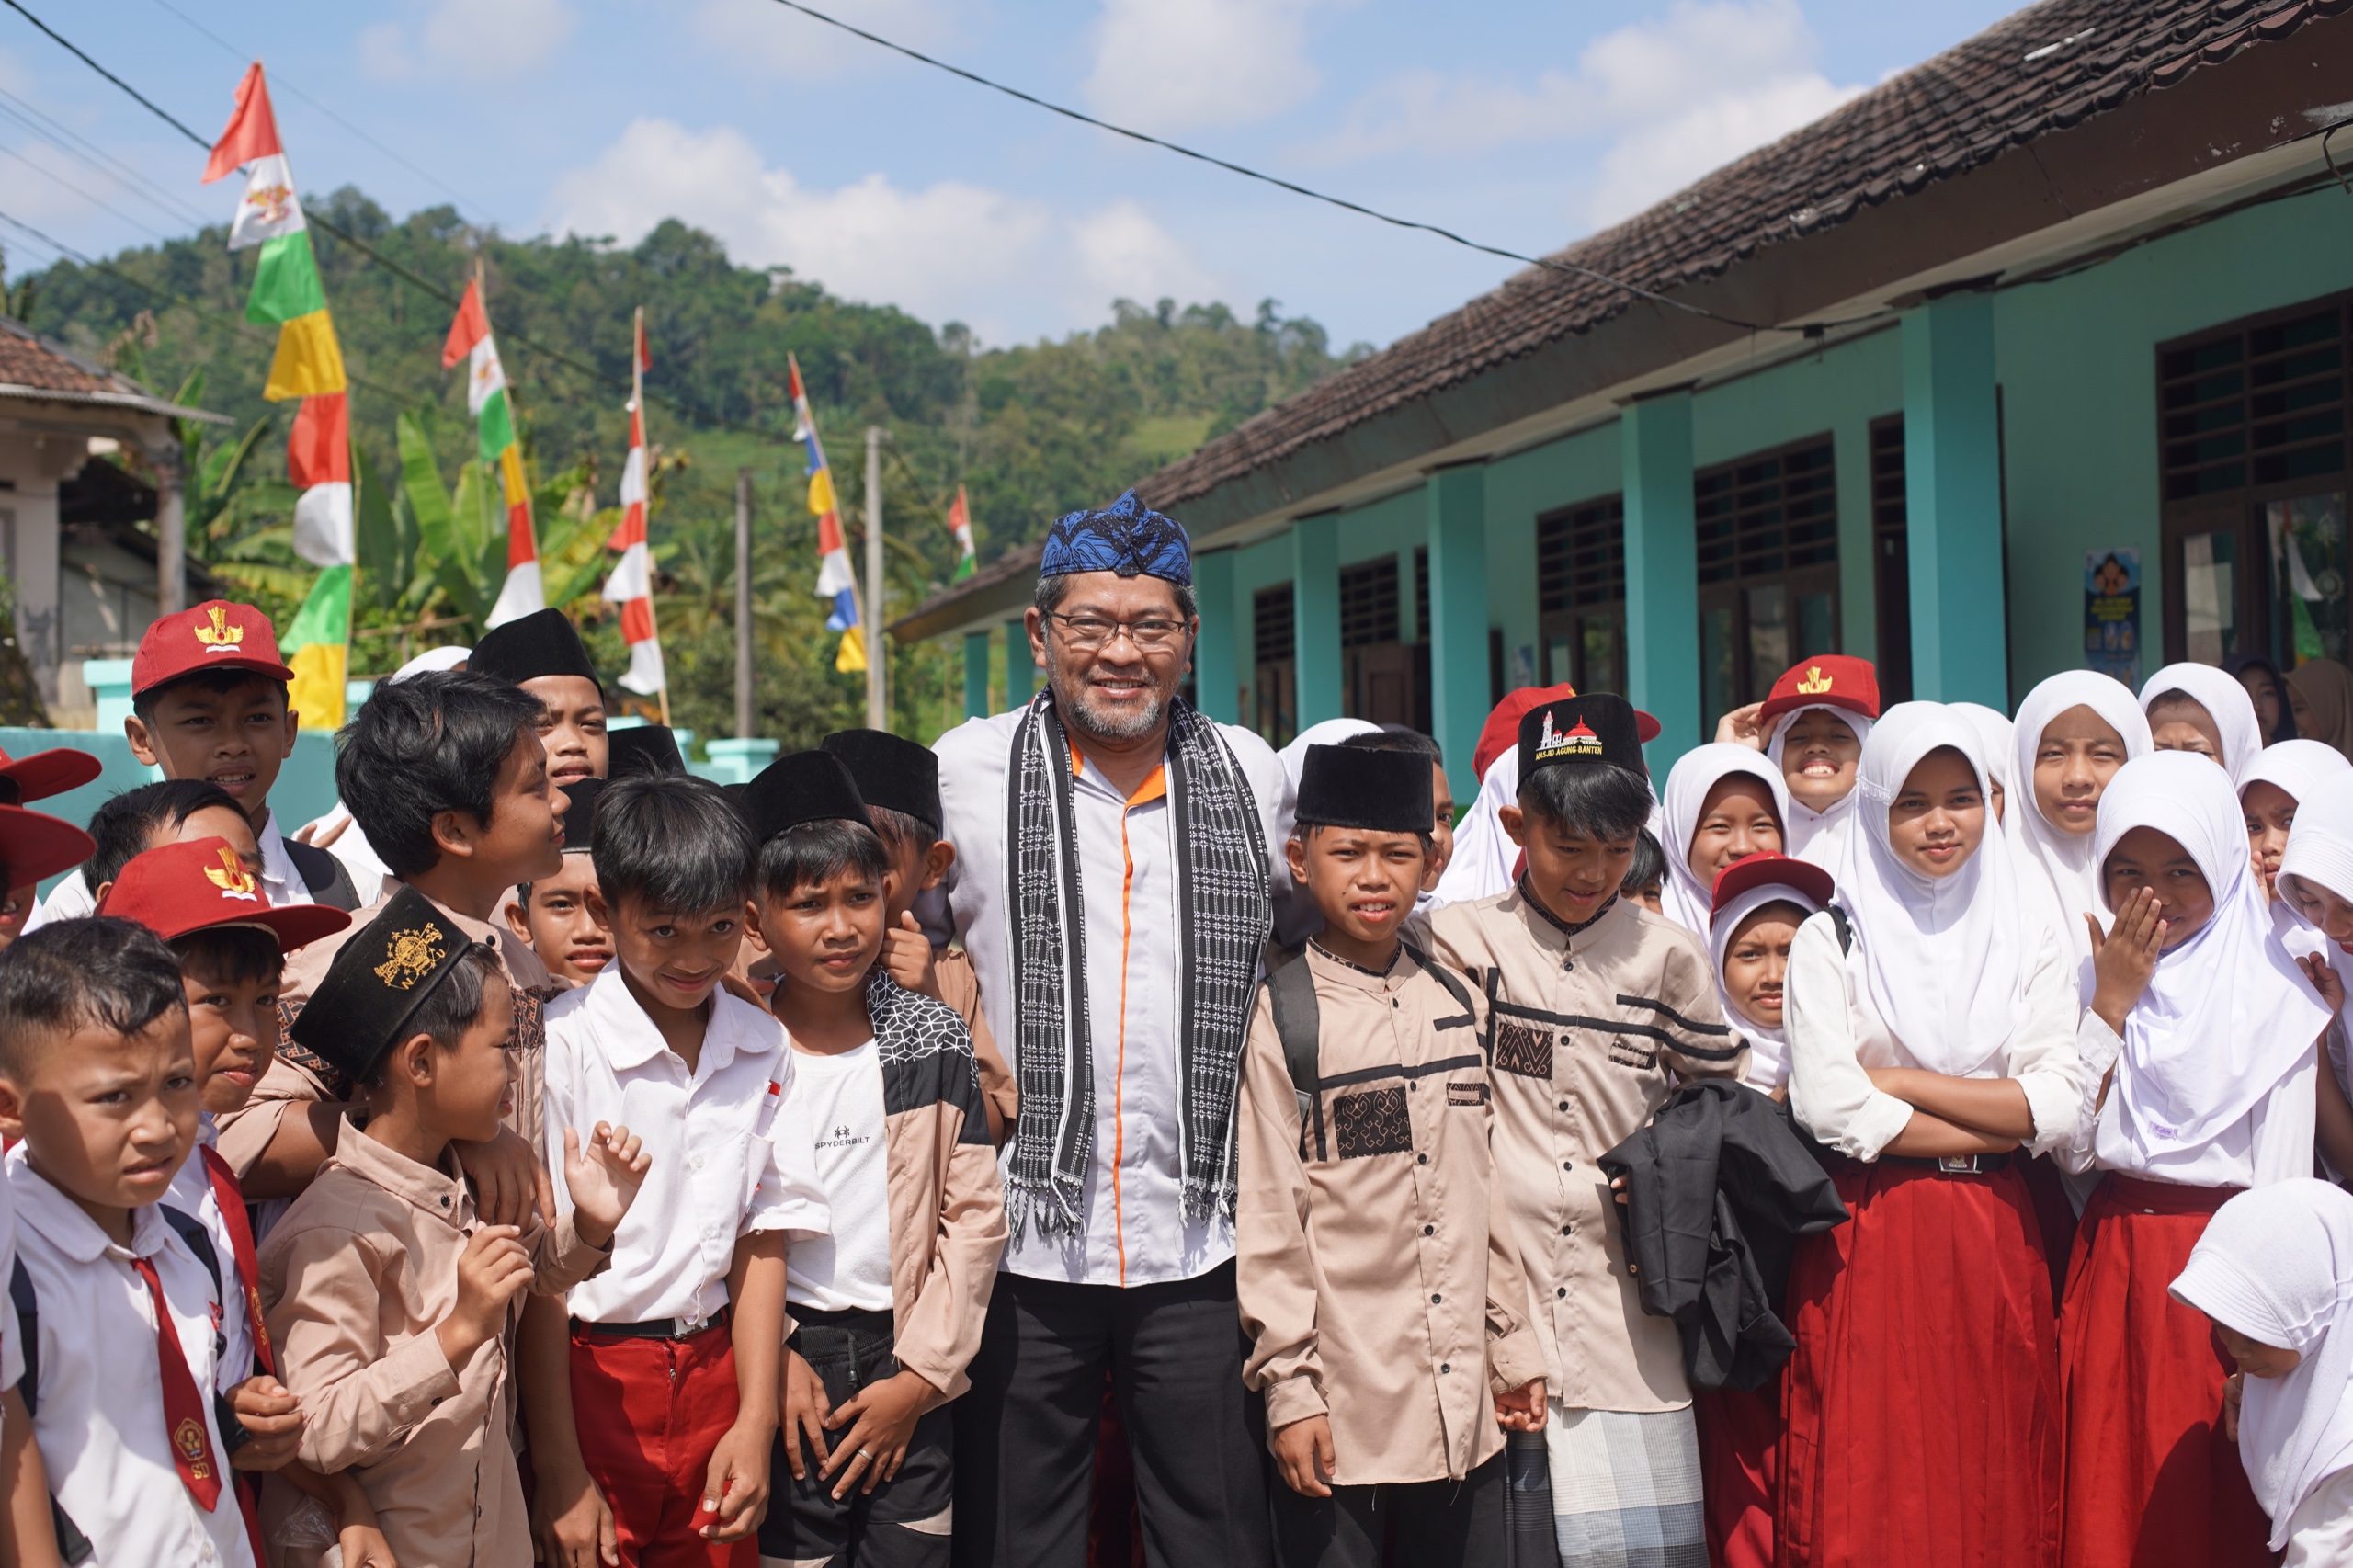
32,366
2042,69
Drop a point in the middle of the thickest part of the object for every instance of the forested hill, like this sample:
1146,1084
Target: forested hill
1031,429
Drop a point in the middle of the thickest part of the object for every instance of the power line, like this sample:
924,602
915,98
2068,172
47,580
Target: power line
59,180
66,140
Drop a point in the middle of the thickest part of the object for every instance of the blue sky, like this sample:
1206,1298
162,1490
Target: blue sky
1523,124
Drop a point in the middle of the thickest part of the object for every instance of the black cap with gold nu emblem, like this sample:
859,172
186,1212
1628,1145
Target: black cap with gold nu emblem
376,982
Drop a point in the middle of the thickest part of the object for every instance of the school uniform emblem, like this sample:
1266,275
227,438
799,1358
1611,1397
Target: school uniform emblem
219,637
410,956
189,1438
1816,683
231,878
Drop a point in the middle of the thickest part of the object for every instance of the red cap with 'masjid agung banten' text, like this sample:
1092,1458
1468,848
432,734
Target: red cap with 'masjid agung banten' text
177,888
219,634
1833,680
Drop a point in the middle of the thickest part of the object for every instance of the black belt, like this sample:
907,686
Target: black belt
1952,1164
653,1328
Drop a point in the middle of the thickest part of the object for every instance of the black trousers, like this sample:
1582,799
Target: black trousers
903,1523
1435,1524
1026,1433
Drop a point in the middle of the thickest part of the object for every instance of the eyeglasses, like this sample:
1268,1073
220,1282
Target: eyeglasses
1085,633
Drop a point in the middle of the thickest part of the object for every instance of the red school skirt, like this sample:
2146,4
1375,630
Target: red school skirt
1740,1453
2151,1480
1922,1402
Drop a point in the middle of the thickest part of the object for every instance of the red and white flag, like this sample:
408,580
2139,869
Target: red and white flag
630,585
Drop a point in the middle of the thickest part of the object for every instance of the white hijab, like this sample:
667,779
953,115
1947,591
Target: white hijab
1999,737
2276,1264
1802,825
1329,733
2227,1016
2320,851
2224,699
2059,873
1484,853
1686,896
1944,957
2306,770
1768,1050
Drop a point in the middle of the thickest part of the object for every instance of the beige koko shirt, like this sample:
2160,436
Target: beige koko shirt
1379,1281
354,1280
1588,1033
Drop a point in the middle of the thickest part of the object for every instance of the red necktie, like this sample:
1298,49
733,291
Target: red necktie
231,1200
183,1403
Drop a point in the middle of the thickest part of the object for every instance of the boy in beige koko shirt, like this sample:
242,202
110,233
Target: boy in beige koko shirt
1378,1277
1597,1008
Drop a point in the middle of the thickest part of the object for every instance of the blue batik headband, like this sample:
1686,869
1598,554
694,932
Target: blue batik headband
1126,536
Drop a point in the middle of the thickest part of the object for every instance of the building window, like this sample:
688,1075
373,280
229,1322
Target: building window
1581,593
1369,603
1383,678
1890,562
1275,692
2251,461
1422,593
1768,571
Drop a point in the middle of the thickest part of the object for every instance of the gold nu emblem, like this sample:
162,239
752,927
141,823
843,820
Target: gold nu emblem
1816,682
231,876
411,957
220,634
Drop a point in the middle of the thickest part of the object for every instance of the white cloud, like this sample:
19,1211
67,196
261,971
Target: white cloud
383,52
1170,66
1673,99
1008,266
755,35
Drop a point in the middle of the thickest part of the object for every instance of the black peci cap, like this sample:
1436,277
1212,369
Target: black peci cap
890,772
807,786
643,748
1381,791
543,642
376,982
580,817
1597,727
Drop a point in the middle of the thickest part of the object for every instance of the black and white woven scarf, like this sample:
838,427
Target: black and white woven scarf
1223,917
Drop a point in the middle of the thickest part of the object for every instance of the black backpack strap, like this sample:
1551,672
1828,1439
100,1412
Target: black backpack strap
1291,990
190,1229
74,1548
1443,975
1844,926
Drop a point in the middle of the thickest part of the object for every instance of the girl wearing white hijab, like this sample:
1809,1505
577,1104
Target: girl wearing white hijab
2073,733
2316,881
1722,801
2197,708
2274,1271
1485,856
1999,737
2200,1046
1929,1052
2284,776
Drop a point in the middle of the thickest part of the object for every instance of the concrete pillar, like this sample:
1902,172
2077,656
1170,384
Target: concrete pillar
1459,694
1952,494
1216,683
976,675
1662,571
171,527
1020,670
1315,616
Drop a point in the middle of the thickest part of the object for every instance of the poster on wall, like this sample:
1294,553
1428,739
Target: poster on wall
2112,613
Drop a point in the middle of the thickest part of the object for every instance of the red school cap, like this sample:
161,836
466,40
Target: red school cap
45,773
1769,869
1834,680
218,634
180,888
1501,732
34,844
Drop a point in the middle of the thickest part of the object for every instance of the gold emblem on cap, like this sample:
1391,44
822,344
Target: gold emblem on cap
220,634
231,876
1816,682
410,956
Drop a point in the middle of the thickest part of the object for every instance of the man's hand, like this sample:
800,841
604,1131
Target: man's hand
1521,1409
492,1271
273,1421
1743,727
906,954
604,1179
735,1487
2125,956
1303,1453
882,1420
572,1527
802,1398
509,1181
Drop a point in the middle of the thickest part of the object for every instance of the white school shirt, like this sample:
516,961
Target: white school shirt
191,1193
729,1142
12,1347
842,1094
1135,1231
1836,1032
71,899
101,1404
2271,1142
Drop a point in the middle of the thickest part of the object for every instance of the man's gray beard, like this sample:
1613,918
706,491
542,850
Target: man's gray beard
1083,713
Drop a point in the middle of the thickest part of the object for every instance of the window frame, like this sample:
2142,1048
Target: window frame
1731,595
1563,616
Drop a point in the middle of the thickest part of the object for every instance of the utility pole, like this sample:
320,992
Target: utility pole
878,691
744,604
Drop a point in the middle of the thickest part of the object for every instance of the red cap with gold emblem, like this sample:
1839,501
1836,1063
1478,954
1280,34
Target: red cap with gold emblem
45,773
1833,680
180,888
1501,731
34,844
218,634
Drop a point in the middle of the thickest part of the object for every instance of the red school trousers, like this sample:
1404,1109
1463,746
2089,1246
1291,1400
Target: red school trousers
650,1411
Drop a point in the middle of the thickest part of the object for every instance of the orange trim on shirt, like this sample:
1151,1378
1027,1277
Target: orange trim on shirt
1152,789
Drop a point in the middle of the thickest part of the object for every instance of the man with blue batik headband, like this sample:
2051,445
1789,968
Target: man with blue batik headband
1112,884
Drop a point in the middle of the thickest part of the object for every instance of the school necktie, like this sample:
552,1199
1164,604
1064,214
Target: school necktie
231,1200
183,1403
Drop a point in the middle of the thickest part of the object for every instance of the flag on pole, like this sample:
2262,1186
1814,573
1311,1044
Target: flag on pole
835,581
630,585
493,412
308,365
959,523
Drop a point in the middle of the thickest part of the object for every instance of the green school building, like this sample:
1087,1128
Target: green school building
2033,357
